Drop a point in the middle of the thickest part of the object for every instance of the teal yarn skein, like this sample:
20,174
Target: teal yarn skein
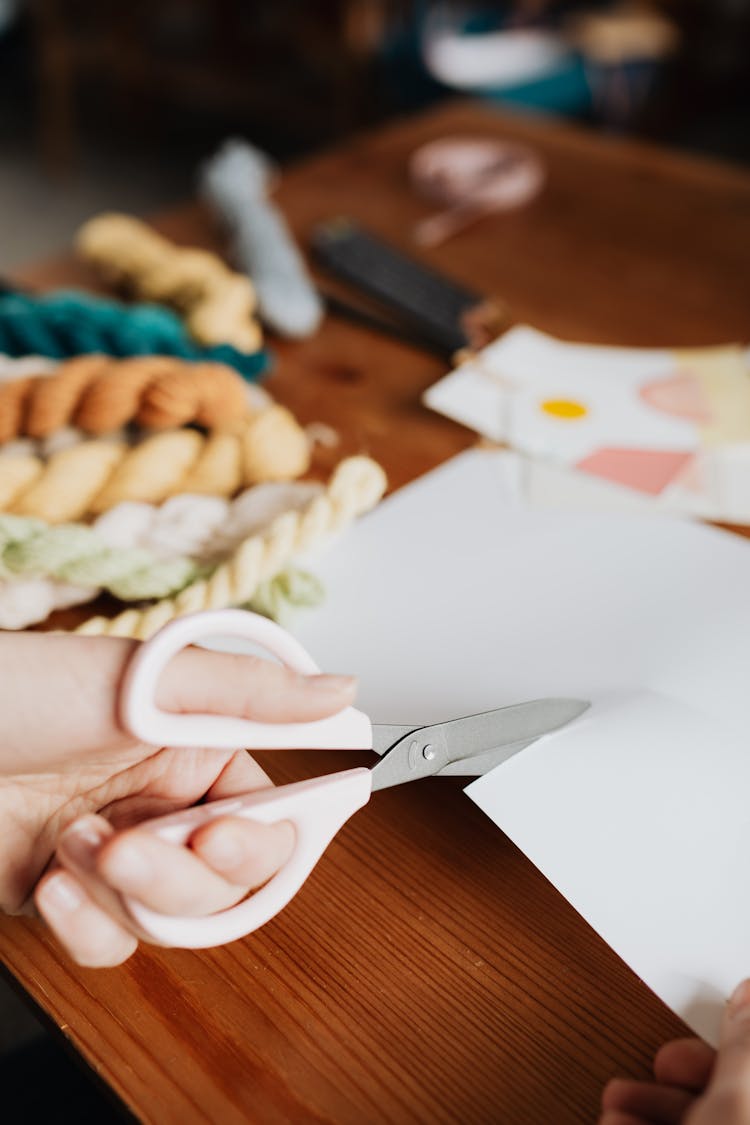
69,322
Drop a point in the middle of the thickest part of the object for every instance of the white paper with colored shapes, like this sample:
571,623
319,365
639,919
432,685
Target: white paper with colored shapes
659,422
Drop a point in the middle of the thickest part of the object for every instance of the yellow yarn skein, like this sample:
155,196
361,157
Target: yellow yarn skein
93,476
217,303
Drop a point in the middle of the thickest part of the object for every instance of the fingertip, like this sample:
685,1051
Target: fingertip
323,694
736,1023
82,840
90,937
613,1092
739,1001
58,894
684,1062
333,684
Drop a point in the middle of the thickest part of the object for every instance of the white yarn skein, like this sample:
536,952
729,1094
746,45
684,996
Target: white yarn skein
25,601
235,182
205,528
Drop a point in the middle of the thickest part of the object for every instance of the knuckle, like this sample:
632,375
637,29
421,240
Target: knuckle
261,677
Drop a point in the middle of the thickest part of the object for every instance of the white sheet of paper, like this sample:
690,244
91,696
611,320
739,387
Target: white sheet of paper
486,603
450,599
638,814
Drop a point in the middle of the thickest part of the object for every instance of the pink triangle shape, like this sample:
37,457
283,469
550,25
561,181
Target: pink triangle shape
646,470
680,395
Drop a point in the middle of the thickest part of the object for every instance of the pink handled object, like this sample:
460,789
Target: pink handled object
317,808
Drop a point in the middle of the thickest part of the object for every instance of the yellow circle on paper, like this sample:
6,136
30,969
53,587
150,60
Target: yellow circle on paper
564,408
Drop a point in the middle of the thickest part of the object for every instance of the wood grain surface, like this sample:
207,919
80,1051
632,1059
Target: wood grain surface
427,972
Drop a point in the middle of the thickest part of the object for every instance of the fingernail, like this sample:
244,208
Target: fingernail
129,866
61,893
82,840
740,998
331,684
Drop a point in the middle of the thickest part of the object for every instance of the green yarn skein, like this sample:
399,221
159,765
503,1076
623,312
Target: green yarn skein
75,553
291,589
68,322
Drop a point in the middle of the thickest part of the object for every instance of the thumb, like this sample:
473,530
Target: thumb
728,1092
248,687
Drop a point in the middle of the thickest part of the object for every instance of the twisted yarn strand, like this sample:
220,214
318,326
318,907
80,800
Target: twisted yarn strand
217,303
78,555
28,600
94,475
356,486
68,323
139,551
99,394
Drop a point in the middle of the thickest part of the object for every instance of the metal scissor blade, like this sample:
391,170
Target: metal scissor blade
385,737
480,764
529,721
473,744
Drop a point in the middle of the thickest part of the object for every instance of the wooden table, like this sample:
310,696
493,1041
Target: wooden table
427,972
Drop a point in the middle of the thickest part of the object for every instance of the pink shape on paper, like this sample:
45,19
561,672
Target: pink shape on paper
647,470
693,477
680,395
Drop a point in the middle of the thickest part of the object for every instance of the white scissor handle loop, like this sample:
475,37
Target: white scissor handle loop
316,808
349,729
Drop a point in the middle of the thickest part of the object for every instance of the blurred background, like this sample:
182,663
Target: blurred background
104,104
107,104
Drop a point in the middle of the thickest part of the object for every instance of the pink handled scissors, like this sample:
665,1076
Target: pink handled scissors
319,807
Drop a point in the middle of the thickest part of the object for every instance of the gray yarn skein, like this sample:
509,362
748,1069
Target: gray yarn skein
235,182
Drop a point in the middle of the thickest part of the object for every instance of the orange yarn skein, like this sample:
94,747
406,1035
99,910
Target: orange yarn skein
99,394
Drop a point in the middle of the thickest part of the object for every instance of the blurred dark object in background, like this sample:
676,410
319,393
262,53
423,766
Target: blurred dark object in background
295,75
301,69
674,70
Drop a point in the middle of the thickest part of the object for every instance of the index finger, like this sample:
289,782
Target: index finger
249,687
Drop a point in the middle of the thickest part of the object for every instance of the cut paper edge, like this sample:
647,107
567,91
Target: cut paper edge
645,470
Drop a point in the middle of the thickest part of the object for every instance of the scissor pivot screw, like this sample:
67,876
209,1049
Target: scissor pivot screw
428,753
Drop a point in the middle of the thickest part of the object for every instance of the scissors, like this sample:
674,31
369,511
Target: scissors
319,807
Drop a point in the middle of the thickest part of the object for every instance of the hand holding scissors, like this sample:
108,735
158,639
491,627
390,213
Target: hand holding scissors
319,807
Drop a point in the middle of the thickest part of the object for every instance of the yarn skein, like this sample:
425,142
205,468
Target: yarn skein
139,551
217,304
99,394
94,475
355,487
68,323
27,601
235,182
78,555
